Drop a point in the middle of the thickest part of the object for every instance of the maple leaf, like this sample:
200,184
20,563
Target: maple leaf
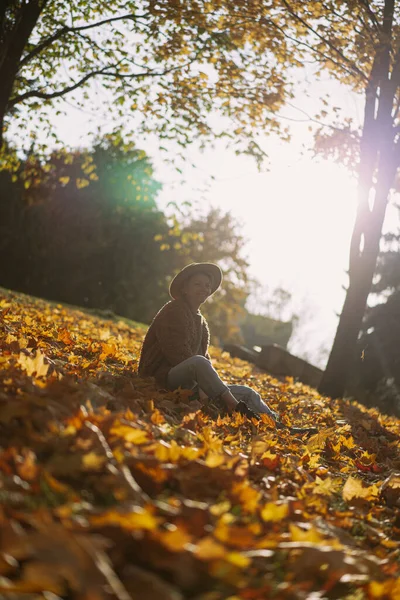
35,365
317,442
354,489
65,337
327,486
214,460
175,538
137,518
270,460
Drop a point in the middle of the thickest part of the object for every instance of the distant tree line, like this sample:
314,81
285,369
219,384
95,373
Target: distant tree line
84,228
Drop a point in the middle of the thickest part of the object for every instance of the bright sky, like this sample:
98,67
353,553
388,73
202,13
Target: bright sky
297,218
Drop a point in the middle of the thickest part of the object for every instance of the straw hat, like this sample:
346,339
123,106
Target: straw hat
210,269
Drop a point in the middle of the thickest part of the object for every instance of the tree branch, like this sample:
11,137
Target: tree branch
105,72
351,65
310,47
44,96
64,30
371,14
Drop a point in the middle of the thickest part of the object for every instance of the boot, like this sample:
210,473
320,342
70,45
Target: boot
243,409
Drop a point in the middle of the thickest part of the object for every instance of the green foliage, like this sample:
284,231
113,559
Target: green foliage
91,245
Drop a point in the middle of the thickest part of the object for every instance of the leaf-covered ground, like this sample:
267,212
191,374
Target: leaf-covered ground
112,489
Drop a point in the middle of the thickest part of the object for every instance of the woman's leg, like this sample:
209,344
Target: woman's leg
197,370
252,399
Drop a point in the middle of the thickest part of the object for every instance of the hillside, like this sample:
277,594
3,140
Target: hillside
113,489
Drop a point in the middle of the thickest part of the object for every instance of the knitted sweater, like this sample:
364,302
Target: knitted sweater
175,334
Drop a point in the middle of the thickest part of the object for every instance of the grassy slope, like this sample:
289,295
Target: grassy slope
111,488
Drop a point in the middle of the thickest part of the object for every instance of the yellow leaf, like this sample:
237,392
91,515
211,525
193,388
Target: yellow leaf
310,535
93,462
108,349
175,539
317,441
237,559
209,549
35,365
81,183
130,434
353,488
248,497
141,518
274,512
214,460
326,487
119,455
220,508
384,589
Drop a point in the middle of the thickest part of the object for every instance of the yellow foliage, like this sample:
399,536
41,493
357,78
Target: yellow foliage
105,454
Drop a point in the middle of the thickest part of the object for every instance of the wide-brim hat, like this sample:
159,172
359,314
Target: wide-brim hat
213,271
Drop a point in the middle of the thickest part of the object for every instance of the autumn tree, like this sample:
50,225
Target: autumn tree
358,42
168,63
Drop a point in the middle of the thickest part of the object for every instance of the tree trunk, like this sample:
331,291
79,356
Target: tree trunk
342,356
13,40
378,158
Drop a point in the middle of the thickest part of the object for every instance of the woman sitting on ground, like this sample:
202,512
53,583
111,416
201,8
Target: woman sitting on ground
175,349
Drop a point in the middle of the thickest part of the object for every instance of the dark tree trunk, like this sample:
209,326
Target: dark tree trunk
379,159
16,25
361,273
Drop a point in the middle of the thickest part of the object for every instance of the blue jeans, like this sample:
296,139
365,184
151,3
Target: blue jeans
198,372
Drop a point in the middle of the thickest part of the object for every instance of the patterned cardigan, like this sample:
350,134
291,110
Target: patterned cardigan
175,334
